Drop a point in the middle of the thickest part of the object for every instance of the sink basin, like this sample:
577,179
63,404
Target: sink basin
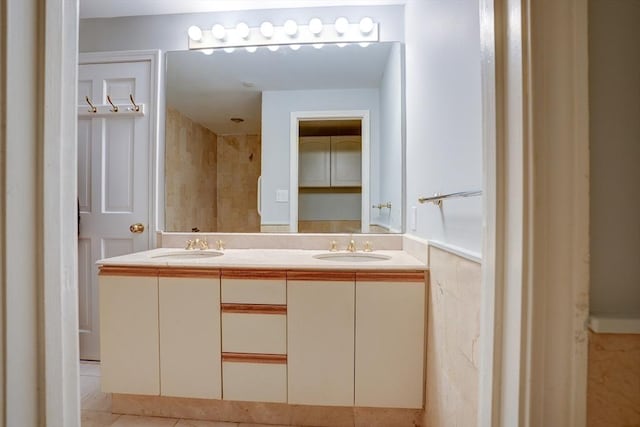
188,255
351,257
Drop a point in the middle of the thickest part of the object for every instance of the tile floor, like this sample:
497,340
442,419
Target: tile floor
96,408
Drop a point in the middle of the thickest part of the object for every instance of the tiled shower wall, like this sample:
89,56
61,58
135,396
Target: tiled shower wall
238,172
190,175
453,331
210,180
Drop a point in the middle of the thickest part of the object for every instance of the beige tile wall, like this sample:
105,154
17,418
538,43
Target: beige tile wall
189,143
453,330
613,395
238,172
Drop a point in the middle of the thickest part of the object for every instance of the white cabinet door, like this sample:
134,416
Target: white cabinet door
390,340
190,354
113,180
129,334
320,338
346,161
314,163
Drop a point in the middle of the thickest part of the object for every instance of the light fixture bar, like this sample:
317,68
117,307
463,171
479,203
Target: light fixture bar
352,34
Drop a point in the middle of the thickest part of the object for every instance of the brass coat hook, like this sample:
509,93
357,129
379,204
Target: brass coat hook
93,108
136,107
114,108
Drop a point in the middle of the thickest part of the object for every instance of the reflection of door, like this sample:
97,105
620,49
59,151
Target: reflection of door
113,180
345,170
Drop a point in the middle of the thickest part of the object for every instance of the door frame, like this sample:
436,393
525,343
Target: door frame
535,291
156,132
296,118
544,230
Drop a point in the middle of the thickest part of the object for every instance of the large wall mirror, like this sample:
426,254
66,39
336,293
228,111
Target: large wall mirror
306,140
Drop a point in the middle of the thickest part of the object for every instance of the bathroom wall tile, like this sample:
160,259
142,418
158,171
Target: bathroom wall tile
387,417
189,143
256,412
416,247
452,340
238,169
136,421
321,416
201,409
286,240
613,396
97,419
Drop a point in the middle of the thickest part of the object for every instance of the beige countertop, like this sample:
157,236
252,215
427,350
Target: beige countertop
278,259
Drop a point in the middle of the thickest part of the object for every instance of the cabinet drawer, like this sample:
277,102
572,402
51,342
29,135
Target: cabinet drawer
254,333
255,382
254,287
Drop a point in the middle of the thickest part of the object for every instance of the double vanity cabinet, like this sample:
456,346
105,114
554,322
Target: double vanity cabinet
331,337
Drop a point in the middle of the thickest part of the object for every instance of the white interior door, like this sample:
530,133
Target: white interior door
113,181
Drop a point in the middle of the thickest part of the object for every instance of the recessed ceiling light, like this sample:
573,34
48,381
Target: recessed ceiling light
237,119
248,84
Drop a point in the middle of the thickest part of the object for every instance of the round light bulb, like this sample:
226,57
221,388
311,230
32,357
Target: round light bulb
366,25
273,48
195,33
290,27
251,49
342,44
294,46
315,26
318,45
218,32
207,51
266,29
229,49
342,25
364,44
243,30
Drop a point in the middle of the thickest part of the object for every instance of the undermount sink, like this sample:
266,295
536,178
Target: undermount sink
188,255
351,257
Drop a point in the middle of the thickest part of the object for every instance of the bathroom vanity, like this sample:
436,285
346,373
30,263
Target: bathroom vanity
265,325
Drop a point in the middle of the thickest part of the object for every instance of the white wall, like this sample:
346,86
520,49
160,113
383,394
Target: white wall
169,32
614,98
443,119
386,183
277,107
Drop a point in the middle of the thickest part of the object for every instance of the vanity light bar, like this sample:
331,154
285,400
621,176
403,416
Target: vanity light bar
271,35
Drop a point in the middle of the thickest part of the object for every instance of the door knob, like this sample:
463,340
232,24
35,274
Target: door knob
136,228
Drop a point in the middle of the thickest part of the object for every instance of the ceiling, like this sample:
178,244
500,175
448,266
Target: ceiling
113,8
212,89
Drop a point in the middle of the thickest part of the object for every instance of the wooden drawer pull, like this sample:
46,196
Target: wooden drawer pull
279,359
254,308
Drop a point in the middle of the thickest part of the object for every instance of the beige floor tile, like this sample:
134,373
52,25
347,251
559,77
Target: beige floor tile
90,368
135,421
199,423
98,419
